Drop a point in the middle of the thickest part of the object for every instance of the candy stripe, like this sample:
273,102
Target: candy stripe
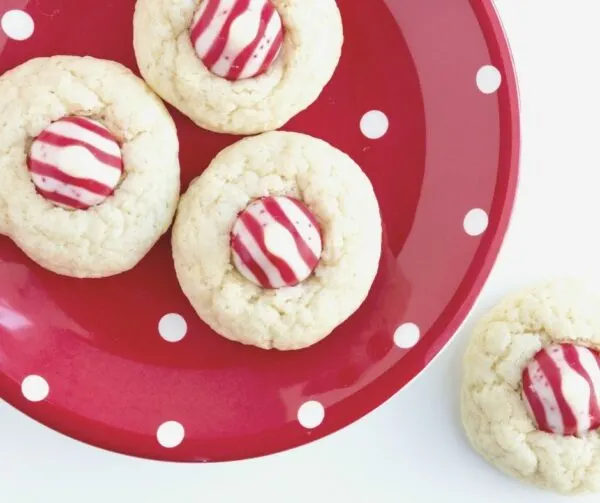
207,14
303,209
47,170
237,39
273,276
240,62
270,248
75,162
45,154
246,263
62,200
279,241
84,196
219,44
257,232
89,126
546,393
275,45
575,389
206,37
564,379
71,130
534,401
553,374
264,55
581,408
306,224
589,362
279,215
50,138
246,272
576,357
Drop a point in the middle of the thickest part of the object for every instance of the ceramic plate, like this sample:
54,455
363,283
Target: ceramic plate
424,99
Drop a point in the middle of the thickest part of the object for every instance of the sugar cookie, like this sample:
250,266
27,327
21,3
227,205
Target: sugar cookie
278,241
89,176
238,66
530,387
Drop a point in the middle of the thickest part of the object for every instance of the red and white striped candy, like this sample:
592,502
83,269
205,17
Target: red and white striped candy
76,163
276,242
237,39
561,387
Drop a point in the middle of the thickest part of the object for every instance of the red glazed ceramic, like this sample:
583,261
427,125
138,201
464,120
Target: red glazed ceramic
425,100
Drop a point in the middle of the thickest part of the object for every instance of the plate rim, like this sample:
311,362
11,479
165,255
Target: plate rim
490,255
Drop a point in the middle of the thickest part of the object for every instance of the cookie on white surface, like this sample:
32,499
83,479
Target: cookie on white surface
238,66
89,172
252,227
531,387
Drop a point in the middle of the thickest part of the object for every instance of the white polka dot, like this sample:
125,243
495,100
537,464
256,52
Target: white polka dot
311,414
476,222
170,434
35,388
172,327
17,24
488,79
374,124
407,335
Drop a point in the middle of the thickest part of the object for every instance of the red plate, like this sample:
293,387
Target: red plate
450,149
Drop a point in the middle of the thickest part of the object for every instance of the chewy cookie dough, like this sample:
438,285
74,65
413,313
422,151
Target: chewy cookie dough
89,171
199,57
331,187
530,391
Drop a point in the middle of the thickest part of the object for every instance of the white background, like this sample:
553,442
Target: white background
411,449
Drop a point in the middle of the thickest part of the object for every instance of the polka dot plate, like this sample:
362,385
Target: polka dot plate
425,100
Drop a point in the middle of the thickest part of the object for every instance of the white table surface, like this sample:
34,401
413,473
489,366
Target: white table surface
411,449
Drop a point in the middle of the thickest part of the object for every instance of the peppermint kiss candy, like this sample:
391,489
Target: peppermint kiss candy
560,387
75,163
237,39
276,242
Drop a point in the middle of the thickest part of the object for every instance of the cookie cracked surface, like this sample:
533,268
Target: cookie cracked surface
495,415
336,191
111,237
168,62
